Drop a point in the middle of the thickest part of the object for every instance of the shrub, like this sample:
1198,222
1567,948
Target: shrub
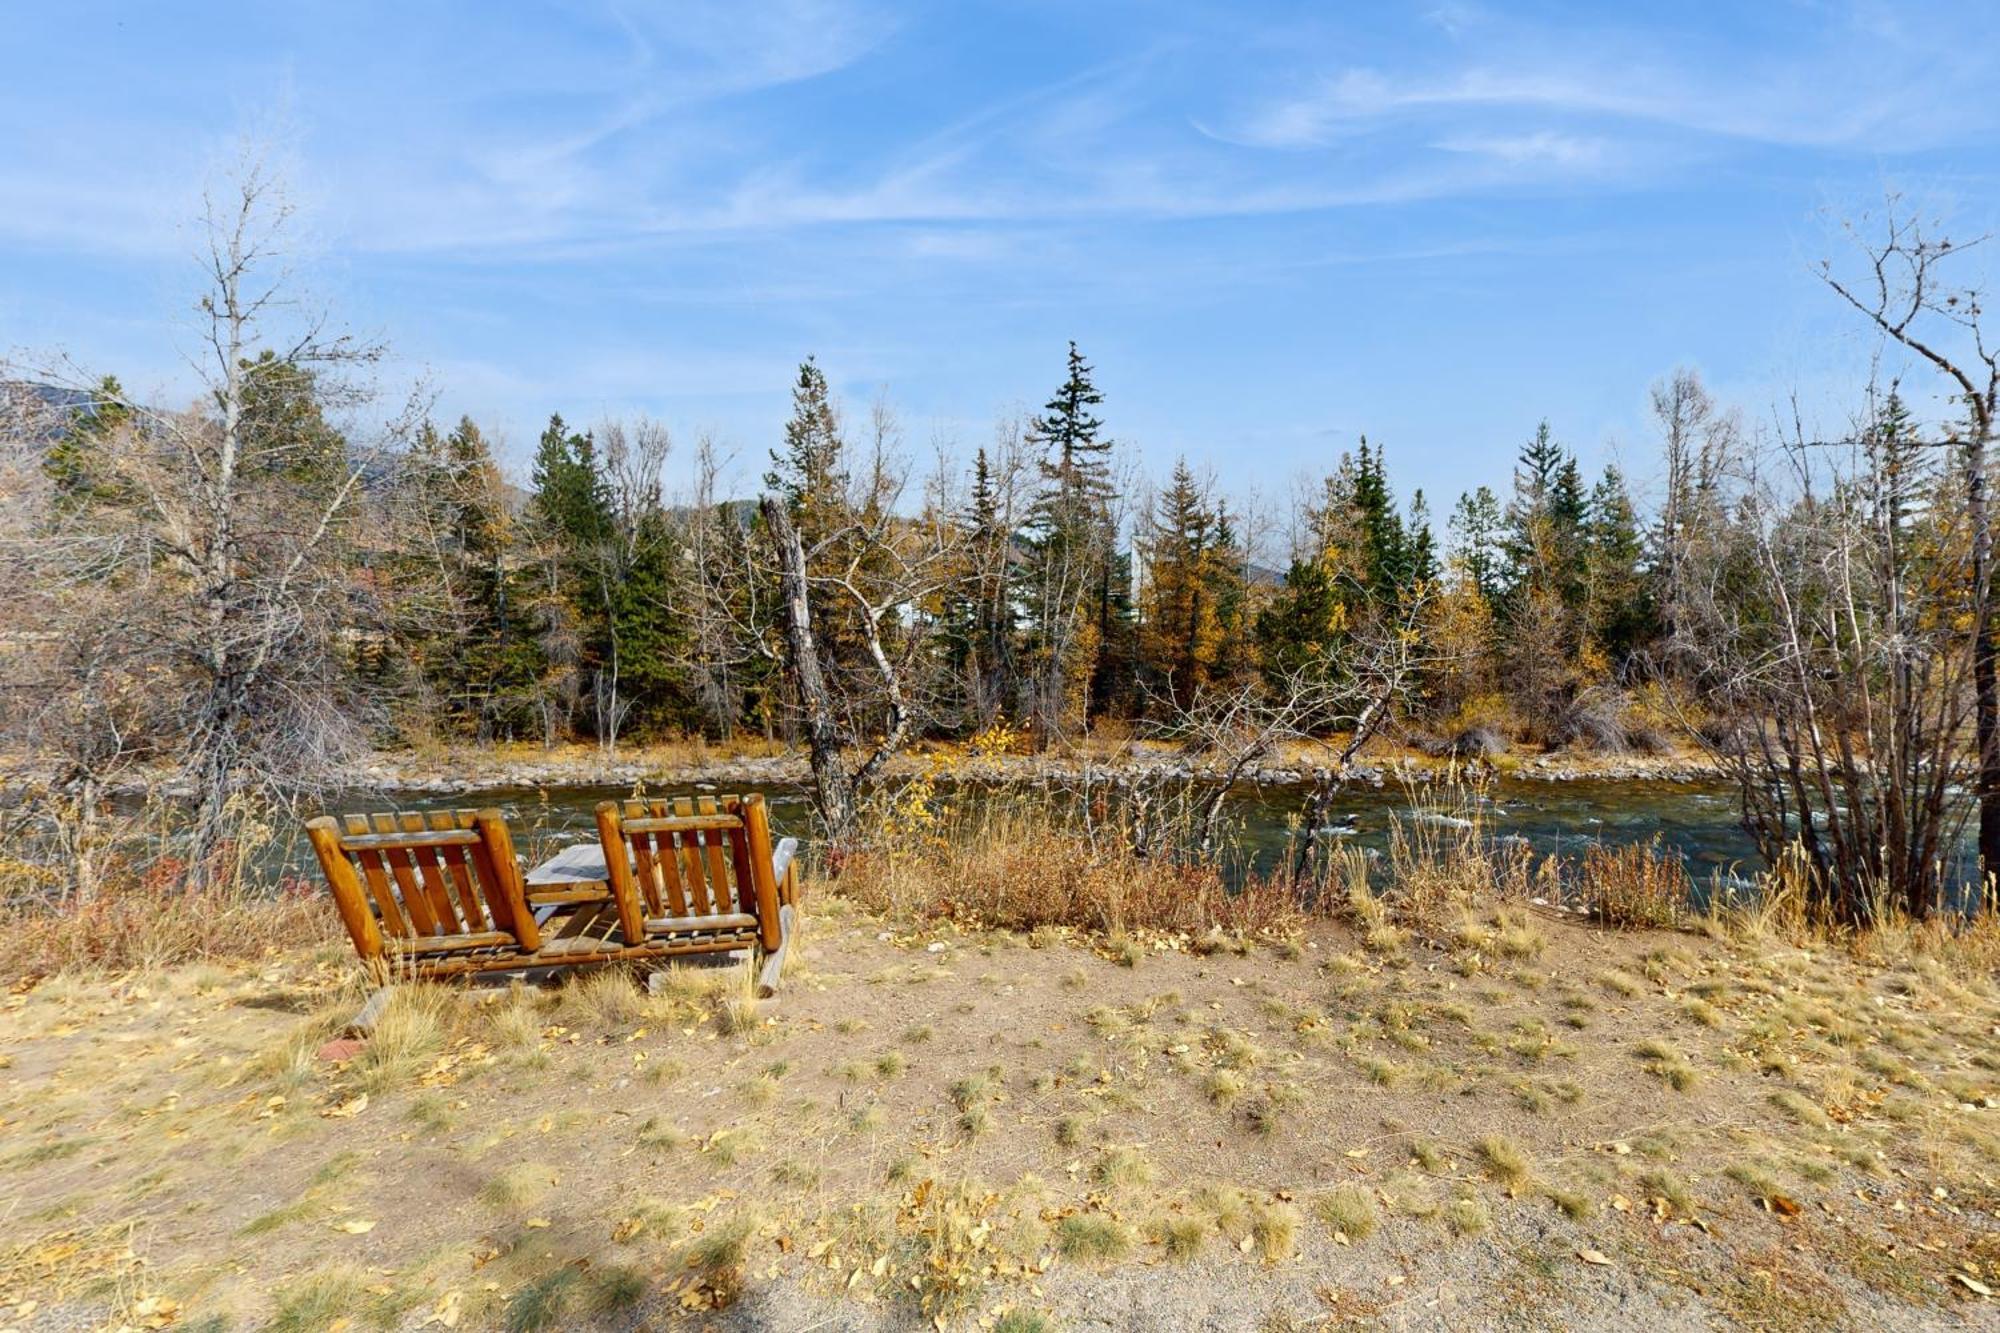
1634,887
154,919
1348,1210
1024,869
1092,1237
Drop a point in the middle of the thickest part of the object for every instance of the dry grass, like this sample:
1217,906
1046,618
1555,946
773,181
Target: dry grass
1182,1237
1505,1160
1093,1238
148,921
1023,869
1347,1210
874,1084
1634,887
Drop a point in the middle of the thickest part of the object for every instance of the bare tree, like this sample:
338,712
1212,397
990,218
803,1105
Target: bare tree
81,648
721,598
1825,625
1336,703
1907,296
220,530
877,574
1699,443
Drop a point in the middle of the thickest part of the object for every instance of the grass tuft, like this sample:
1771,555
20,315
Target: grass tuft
1505,1161
1348,1210
1093,1238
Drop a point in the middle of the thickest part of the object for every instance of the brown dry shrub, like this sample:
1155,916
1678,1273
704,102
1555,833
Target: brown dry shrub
1635,887
1019,870
1444,855
155,919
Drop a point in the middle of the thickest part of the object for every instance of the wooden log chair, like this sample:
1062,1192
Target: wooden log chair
701,877
442,895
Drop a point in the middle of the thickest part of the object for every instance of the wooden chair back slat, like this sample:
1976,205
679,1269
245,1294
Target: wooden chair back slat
458,878
443,882
739,850
666,889
416,903
721,894
379,889
690,844
423,863
472,910
647,869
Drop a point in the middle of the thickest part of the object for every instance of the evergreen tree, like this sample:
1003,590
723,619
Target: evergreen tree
1477,543
1619,607
811,472
1181,632
1303,624
1420,546
1544,537
1361,562
467,637
650,639
571,498
571,513
1075,584
1229,590
1385,556
284,426
74,463
980,627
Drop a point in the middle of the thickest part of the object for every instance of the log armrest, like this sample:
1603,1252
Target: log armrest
783,875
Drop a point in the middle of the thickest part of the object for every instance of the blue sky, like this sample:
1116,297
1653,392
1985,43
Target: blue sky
1272,227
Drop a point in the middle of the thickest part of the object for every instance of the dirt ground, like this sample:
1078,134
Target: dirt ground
1531,1123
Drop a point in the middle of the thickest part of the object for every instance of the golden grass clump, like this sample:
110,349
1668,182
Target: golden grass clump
1023,868
1347,1210
1636,887
151,919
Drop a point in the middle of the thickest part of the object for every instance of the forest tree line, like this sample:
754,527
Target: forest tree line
251,591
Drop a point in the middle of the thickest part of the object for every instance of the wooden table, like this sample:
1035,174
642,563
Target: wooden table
574,878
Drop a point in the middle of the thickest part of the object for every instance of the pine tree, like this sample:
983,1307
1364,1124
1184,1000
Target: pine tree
1544,536
1181,633
1229,590
284,428
74,463
1477,544
1420,547
1543,615
1385,557
1304,623
1618,606
571,498
811,472
1075,584
468,637
571,512
987,655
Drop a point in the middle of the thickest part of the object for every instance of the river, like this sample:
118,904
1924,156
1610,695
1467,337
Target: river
1698,820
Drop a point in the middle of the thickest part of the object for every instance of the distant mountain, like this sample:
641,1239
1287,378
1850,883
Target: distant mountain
39,413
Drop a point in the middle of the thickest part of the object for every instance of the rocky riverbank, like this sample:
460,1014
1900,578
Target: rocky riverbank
1136,764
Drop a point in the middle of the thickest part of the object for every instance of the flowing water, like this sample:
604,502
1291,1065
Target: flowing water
1698,820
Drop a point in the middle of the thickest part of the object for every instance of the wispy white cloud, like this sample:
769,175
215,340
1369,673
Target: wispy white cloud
1859,77
1539,148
